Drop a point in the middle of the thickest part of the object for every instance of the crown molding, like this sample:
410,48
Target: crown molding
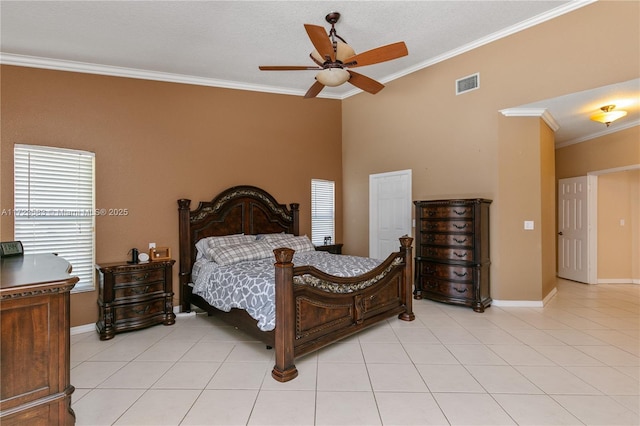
88,68
532,112
612,129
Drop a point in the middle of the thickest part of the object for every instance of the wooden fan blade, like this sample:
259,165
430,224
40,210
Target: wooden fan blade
365,83
377,55
286,68
314,90
320,39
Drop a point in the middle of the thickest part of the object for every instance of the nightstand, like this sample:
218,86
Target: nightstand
134,296
331,248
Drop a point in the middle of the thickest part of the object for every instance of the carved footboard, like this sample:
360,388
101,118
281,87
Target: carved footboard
314,309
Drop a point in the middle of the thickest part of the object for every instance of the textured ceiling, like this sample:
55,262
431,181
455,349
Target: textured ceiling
222,43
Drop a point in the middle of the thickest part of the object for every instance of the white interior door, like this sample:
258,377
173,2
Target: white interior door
573,230
389,211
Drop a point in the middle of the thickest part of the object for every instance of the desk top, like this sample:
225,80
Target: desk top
44,271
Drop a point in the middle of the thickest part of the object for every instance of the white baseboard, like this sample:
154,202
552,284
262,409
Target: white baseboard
525,303
618,281
83,329
517,303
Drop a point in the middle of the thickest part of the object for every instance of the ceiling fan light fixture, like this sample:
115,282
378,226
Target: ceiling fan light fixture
343,51
333,77
608,115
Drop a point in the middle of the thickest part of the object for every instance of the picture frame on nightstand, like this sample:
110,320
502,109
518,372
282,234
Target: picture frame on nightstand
159,253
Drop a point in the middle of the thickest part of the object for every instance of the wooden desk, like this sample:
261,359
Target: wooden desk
35,384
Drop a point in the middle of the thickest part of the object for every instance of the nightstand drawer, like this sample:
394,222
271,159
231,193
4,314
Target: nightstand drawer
139,277
145,289
139,310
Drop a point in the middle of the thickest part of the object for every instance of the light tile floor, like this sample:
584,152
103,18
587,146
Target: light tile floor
574,362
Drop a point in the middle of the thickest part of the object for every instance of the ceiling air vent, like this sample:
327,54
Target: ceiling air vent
468,83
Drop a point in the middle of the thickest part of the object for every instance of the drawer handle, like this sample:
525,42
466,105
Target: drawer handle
430,271
460,275
460,255
431,213
460,291
142,311
459,241
455,225
432,225
142,278
143,291
460,213
431,238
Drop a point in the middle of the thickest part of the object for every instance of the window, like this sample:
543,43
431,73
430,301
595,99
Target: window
54,209
322,211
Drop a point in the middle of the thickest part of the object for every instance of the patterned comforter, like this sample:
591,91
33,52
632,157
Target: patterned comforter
250,285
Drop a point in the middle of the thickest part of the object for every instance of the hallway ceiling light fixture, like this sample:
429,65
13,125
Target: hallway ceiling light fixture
608,115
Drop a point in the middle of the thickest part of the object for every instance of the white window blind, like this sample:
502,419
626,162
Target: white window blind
54,210
322,211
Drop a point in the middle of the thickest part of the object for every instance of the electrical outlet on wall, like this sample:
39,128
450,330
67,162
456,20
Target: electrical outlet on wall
528,225
152,245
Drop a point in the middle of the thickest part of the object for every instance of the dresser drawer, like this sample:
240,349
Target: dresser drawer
464,240
465,226
448,289
447,212
144,276
139,311
446,272
144,289
460,254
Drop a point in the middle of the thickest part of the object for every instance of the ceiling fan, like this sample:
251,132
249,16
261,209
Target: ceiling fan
335,58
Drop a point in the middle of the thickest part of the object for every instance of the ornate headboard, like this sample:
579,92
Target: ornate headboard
240,209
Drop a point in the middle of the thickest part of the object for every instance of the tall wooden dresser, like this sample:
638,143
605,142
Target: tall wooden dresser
452,254
35,384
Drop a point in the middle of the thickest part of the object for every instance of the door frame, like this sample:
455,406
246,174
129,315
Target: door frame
592,216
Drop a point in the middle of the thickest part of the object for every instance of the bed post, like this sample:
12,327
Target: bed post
407,292
296,217
284,369
184,238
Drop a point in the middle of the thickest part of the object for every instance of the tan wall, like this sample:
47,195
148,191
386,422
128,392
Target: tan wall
548,209
156,142
617,243
619,149
452,143
519,174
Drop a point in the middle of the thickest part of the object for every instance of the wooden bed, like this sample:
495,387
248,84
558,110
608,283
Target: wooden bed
307,318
